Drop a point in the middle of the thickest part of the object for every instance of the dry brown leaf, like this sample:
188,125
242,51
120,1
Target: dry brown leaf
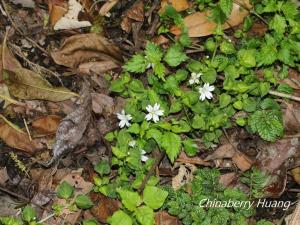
86,53
224,151
133,14
242,161
183,158
102,103
227,178
291,118
296,174
46,125
184,176
105,208
164,218
18,140
199,24
179,5
72,128
104,11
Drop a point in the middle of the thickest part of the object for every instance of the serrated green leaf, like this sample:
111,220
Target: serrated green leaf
172,144
159,70
226,6
145,215
90,222
190,147
278,24
65,190
153,52
83,202
137,64
154,197
129,199
267,55
247,58
175,55
28,214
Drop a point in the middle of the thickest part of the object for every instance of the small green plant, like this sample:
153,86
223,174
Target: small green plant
256,180
28,217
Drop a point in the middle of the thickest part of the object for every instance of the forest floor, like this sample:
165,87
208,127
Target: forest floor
146,112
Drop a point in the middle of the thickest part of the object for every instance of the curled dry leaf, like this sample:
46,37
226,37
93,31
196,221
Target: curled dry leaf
26,84
72,127
199,24
17,139
46,125
88,54
70,19
224,151
242,161
184,176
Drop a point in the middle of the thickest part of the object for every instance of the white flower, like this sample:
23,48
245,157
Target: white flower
143,157
195,78
154,112
205,92
132,143
150,65
124,119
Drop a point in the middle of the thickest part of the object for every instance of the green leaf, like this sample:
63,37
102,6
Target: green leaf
119,217
198,122
190,147
175,55
145,215
227,47
155,134
153,52
225,100
278,24
176,107
185,40
83,202
268,124
102,167
65,190
267,55
285,88
129,199
209,76
28,214
137,64
247,58
154,197
226,6
136,86
134,128
289,9
172,144
90,222
159,70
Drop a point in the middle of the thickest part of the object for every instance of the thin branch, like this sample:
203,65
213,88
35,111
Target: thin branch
283,95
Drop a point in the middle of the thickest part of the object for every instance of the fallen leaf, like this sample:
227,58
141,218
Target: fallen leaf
70,19
291,118
199,24
133,14
46,125
105,208
296,174
179,5
184,176
164,218
224,151
183,158
242,161
55,12
18,140
5,96
227,178
104,11
72,127
24,3
102,103
87,54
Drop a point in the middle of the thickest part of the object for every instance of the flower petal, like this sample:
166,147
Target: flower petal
155,118
148,116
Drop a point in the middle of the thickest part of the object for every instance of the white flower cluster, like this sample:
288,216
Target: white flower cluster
205,91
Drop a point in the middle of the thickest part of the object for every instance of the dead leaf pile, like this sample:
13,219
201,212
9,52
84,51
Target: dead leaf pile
88,54
135,14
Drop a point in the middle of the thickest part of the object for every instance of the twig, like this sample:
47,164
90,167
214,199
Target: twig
283,95
46,218
27,129
151,171
20,31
